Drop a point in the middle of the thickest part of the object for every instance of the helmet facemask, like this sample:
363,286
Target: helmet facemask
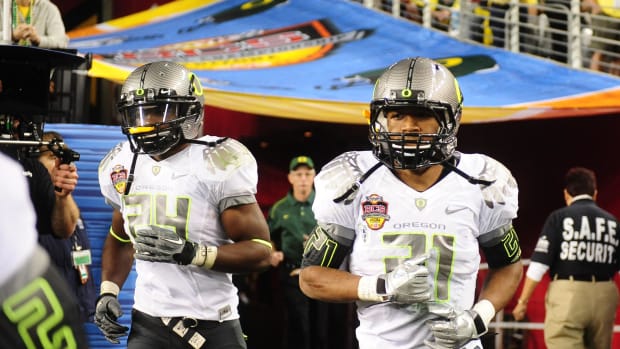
395,92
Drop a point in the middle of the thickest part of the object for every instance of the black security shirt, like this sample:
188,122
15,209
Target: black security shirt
579,239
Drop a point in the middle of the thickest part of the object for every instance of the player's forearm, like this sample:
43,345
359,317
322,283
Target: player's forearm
243,256
501,284
116,260
327,284
65,215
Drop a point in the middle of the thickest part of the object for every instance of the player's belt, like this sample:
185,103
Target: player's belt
186,328
589,278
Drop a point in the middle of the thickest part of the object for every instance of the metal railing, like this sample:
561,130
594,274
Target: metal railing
558,29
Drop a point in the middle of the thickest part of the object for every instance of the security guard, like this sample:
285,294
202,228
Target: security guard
579,246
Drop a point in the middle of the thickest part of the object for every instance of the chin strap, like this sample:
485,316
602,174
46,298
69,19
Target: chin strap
130,176
449,165
208,144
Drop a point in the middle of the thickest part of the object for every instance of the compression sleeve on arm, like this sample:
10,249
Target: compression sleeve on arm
501,246
328,245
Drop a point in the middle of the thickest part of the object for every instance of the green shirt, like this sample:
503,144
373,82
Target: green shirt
289,220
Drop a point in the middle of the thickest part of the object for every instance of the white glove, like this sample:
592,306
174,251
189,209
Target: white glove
454,329
406,284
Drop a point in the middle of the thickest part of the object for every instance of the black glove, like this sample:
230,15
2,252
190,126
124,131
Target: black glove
159,244
107,312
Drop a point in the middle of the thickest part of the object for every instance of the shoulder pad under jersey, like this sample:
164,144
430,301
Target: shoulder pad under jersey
340,174
504,186
225,156
113,153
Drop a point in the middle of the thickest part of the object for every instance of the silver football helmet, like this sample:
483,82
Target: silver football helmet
161,103
419,86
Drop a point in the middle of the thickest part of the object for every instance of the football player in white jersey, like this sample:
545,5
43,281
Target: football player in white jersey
37,309
400,227
185,208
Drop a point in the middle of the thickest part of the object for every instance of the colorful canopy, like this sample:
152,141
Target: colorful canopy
318,60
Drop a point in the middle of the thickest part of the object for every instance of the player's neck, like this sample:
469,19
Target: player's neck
420,179
170,152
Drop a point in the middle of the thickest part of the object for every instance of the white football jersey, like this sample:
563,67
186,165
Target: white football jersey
17,215
182,192
394,222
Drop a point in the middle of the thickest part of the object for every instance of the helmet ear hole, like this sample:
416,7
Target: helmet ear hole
428,87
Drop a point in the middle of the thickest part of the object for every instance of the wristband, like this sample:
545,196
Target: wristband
205,256
117,237
486,310
367,289
263,242
109,287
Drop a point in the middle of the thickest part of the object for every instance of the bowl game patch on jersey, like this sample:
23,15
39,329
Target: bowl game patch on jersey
374,211
119,178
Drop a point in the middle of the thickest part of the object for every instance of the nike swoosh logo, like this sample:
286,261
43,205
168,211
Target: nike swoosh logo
178,175
176,241
454,210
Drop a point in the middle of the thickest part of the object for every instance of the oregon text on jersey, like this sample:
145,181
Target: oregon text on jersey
423,225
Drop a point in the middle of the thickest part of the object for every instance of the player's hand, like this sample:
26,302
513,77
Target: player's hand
276,258
408,282
159,244
107,312
454,328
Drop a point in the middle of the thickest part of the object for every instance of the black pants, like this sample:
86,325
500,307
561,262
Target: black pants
148,332
307,321
43,309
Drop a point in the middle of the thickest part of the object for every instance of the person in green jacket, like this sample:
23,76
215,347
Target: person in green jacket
291,221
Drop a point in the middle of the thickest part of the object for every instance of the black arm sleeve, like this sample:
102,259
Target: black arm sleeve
328,246
501,247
